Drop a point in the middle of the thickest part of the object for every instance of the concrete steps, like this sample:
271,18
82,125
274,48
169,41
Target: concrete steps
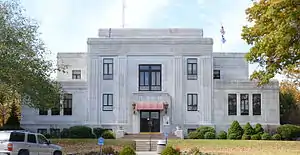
148,136
144,145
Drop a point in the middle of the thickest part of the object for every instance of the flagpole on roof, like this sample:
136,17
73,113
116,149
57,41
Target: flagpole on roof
223,40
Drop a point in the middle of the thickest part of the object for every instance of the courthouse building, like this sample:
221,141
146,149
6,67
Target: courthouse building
171,77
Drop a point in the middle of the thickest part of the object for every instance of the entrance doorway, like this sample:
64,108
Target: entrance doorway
150,121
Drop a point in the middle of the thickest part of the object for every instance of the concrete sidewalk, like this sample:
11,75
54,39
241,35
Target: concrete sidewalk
147,153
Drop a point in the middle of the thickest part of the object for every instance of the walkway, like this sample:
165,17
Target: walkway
147,153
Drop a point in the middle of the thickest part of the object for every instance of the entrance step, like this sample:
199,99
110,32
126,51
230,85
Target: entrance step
147,136
145,145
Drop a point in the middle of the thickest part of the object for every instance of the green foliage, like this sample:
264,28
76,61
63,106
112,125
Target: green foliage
24,69
13,122
127,150
65,133
233,136
246,137
276,137
47,135
236,129
288,131
108,135
81,132
248,130
204,129
222,135
274,36
255,137
266,136
194,135
210,135
258,129
170,151
194,151
98,132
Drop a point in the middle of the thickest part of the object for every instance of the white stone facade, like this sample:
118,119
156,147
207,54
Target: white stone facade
172,49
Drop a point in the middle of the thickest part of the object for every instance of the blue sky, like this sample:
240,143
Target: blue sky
66,24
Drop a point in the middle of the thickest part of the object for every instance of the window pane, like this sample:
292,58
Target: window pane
192,60
105,69
194,69
110,69
147,78
107,60
157,78
105,100
194,99
142,77
189,68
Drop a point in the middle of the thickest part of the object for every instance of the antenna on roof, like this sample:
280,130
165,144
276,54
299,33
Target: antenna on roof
123,13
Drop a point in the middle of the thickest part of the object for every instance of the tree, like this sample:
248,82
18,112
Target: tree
24,67
274,36
13,122
289,103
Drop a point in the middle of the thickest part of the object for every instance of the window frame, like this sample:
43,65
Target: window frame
76,74
151,70
244,103
55,111
217,75
253,103
109,66
192,74
31,134
108,96
234,108
68,104
192,103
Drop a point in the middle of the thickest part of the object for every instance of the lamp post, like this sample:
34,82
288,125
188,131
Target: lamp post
150,127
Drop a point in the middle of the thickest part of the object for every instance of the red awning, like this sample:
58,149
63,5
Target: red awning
149,106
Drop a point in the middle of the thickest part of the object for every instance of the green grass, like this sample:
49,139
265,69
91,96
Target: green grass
237,147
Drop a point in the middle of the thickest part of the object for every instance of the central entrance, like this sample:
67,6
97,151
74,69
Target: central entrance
149,121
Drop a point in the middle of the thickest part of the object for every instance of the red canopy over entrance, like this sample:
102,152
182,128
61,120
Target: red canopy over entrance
149,106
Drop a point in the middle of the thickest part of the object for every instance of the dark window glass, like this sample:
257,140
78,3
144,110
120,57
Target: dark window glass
76,74
108,68
55,133
42,131
150,77
17,137
67,104
43,111
217,74
232,104
55,110
256,100
244,104
192,69
192,102
107,102
31,138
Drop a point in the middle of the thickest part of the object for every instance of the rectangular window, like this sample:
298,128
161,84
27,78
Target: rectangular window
232,104
31,138
256,101
217,74
244,104
43,111
67,102
55,133
192,102
192,69
76,74
108,68
107,102
150,77
55,110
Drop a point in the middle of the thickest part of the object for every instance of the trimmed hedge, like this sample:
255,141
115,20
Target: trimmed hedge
235,131
81,132
127,150
276,137
288,131
210,135
255,137
222,135
265,136
108,135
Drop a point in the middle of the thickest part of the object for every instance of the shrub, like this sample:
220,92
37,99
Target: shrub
288,131
170,151
203,129
47,135
98,132
236,129
265,136
258,129
246,137
248,130
65,133
255,137
108,150
194,151
108,135
127,150
194,135
210,135
232,136
276,137
222,135
81,132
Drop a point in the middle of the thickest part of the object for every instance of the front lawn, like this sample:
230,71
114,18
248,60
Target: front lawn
238,147
86,145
